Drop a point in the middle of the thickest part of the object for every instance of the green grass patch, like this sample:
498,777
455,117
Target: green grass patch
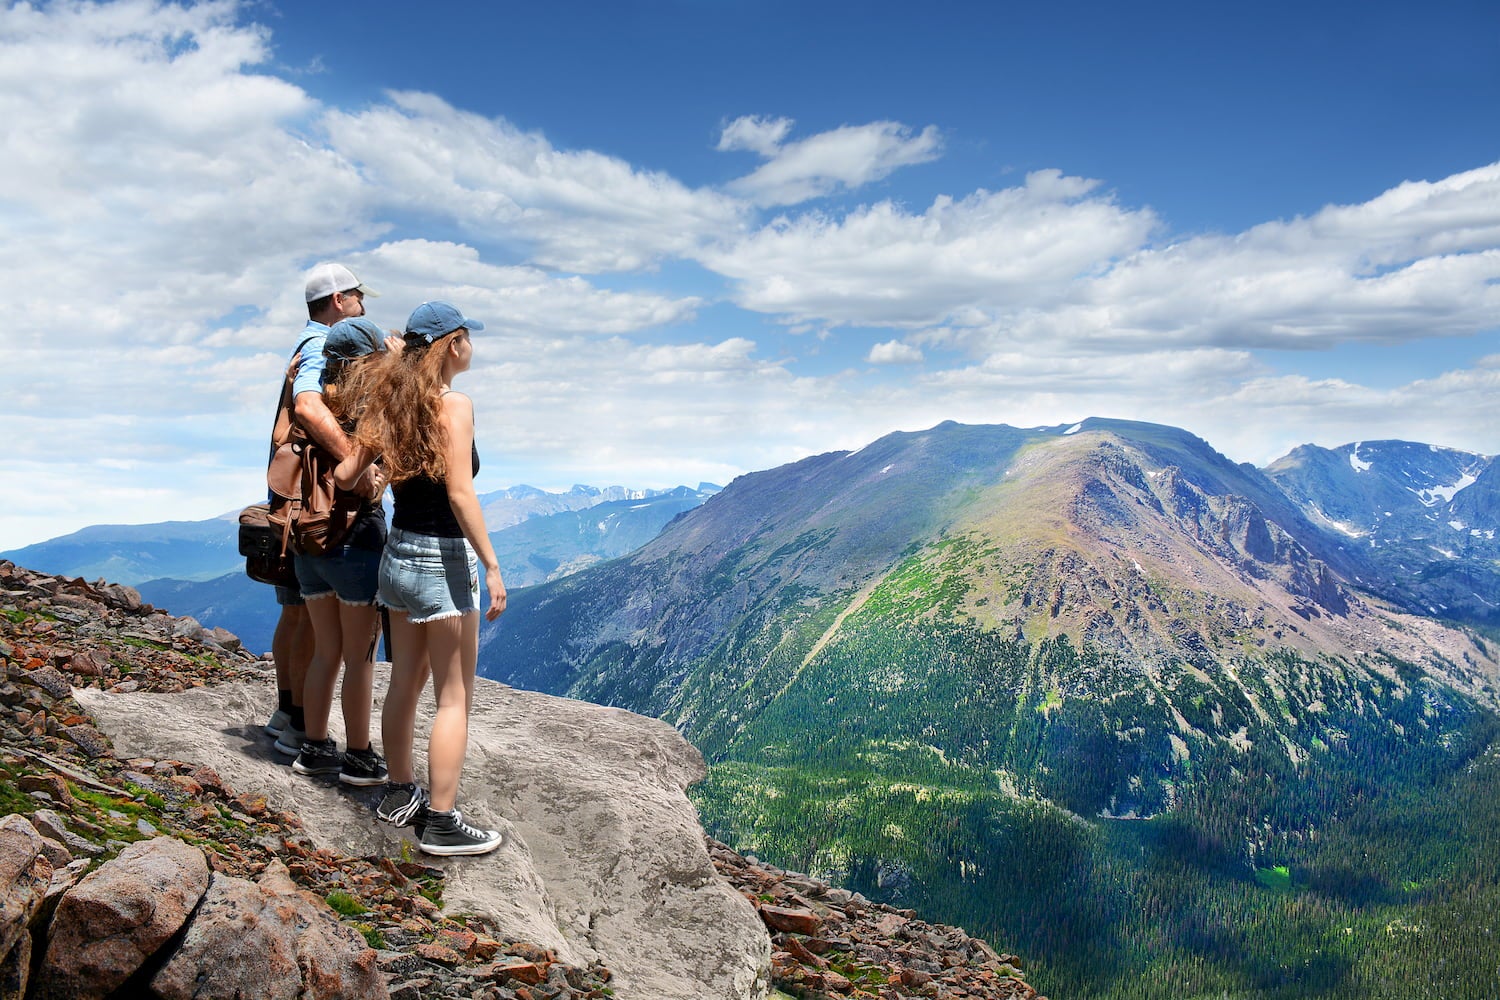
345,904
1277,879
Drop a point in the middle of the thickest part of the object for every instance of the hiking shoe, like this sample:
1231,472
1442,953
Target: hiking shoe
318,757
290,741
363,767
278,721
447,834
402,804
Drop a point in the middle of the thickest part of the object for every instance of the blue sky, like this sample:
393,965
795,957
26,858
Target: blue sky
713,237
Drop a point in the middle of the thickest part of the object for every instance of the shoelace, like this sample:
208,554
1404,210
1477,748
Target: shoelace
466,829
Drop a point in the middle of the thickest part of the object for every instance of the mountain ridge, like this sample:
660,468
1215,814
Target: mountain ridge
1051,650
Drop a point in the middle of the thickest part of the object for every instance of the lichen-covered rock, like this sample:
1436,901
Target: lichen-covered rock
118,916
266,939
25,874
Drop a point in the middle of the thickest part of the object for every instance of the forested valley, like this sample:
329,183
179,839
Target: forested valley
1321,829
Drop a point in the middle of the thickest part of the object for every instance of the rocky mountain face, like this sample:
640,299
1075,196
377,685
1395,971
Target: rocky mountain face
1423,520
152,845
959,667
1136,539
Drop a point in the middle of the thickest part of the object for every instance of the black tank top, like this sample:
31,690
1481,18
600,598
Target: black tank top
421,505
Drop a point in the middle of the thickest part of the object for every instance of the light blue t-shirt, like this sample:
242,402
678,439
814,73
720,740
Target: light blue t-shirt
310,371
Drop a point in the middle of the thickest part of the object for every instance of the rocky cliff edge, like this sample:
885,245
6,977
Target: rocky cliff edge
133,738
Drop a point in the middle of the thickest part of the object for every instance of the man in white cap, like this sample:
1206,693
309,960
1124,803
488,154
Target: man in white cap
333,293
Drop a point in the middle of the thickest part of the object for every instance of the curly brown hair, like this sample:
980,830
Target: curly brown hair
395,399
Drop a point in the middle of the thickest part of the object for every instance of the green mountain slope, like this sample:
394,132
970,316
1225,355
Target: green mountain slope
1095,691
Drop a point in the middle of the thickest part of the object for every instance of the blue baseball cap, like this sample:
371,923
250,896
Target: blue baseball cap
353,338
433,320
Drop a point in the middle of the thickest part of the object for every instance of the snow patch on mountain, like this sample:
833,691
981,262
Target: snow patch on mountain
1358,464
1445,494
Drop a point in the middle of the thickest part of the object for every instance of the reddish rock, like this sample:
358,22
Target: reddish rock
461,941
268,939
184,785
532,952
439,953
520,970
208,778
25,874
231,949
782,918
836,982
800,952
89,663
252,805
118,915
52,784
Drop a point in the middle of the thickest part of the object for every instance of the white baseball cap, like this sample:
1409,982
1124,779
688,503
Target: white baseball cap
325,279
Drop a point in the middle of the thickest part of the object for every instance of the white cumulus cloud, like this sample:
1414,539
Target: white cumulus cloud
841,159
894,352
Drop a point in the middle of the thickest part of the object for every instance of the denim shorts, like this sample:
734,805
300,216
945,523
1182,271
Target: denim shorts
428,577
289,597
351,573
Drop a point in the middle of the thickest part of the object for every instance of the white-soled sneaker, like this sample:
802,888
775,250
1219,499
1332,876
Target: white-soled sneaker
447,834
278,721
363,767
401,803
290,741
319,757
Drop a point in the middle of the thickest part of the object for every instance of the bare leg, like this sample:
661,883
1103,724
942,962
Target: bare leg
448,648
408,675
357,625
323,675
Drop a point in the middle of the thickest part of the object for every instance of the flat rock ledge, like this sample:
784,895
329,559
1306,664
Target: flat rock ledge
192,803
604,861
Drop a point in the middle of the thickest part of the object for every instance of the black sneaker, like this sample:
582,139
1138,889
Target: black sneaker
402,804
447,834
363,767
319,757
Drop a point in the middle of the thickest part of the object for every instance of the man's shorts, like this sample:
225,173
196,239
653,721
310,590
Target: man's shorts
351,573
428,577
289,597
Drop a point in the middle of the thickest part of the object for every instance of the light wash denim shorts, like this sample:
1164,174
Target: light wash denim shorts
428,577
351,573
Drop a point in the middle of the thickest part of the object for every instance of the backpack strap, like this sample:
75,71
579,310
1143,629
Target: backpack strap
284,427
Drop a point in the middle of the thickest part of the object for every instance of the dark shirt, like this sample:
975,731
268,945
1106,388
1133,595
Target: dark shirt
422,506
369,528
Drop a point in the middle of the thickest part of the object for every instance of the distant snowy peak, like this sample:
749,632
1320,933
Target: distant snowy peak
1426,517
1432,474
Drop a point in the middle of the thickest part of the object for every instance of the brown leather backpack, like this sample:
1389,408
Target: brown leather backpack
313,515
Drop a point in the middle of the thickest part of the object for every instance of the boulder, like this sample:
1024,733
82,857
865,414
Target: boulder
267,939
118,916
25,874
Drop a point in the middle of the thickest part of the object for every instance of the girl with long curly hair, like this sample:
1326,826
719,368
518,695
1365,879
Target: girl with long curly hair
423,432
